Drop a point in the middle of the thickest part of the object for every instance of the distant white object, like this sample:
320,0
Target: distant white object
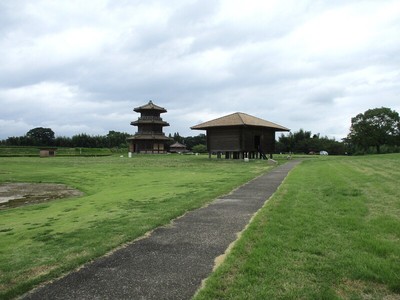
246,159
323,153
129,154
121,156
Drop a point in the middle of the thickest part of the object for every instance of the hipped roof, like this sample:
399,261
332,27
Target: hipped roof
239,119
177,145
150,106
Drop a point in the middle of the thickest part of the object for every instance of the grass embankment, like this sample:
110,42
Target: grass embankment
124,198
332,231
31,151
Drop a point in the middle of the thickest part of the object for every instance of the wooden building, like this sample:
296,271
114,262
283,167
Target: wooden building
150,137
47,152
177,148
240,135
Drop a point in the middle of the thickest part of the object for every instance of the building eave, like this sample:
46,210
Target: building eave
239,120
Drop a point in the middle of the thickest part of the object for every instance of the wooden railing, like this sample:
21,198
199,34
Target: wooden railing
150,118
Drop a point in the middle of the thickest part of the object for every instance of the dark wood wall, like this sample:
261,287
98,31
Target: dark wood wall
268,144
224,139
147,146
240,139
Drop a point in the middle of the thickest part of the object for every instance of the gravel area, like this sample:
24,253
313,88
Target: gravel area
19,194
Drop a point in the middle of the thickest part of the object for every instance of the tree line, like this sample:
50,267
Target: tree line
374,131
40,136
191,142
305,142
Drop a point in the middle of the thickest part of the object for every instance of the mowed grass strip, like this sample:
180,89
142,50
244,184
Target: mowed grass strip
124,199
331,231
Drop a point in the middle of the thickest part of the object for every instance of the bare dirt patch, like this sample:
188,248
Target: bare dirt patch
19,194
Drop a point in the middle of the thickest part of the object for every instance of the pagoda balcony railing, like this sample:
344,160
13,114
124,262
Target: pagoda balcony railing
151,132
150,118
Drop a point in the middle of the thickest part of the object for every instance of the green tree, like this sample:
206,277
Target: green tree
40,136
178,138
200,148
375,128
192,141
82,140
304,142
116,139
295,142
63,141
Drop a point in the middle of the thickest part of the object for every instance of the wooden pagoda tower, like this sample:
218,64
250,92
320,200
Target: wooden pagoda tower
150,137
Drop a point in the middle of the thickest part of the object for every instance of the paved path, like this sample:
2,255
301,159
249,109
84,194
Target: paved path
173,260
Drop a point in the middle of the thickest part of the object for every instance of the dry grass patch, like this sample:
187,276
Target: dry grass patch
357,289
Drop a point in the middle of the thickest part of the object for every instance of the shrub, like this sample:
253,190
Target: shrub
199,148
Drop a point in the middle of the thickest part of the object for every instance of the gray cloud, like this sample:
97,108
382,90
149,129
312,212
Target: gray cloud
83,66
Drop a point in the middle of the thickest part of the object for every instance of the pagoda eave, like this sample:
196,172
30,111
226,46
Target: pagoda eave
143,122
149,137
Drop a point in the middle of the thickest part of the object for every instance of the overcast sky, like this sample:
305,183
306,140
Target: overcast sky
82,66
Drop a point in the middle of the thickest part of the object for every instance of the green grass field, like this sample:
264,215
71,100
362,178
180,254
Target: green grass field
124,199
332,231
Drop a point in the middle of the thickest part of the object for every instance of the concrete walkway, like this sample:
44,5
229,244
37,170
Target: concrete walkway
172,262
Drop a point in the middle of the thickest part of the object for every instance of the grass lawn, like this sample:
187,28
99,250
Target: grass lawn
331,231
124,199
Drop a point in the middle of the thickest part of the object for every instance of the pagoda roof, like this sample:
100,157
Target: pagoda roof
139,136
150,106
178,145
239,119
